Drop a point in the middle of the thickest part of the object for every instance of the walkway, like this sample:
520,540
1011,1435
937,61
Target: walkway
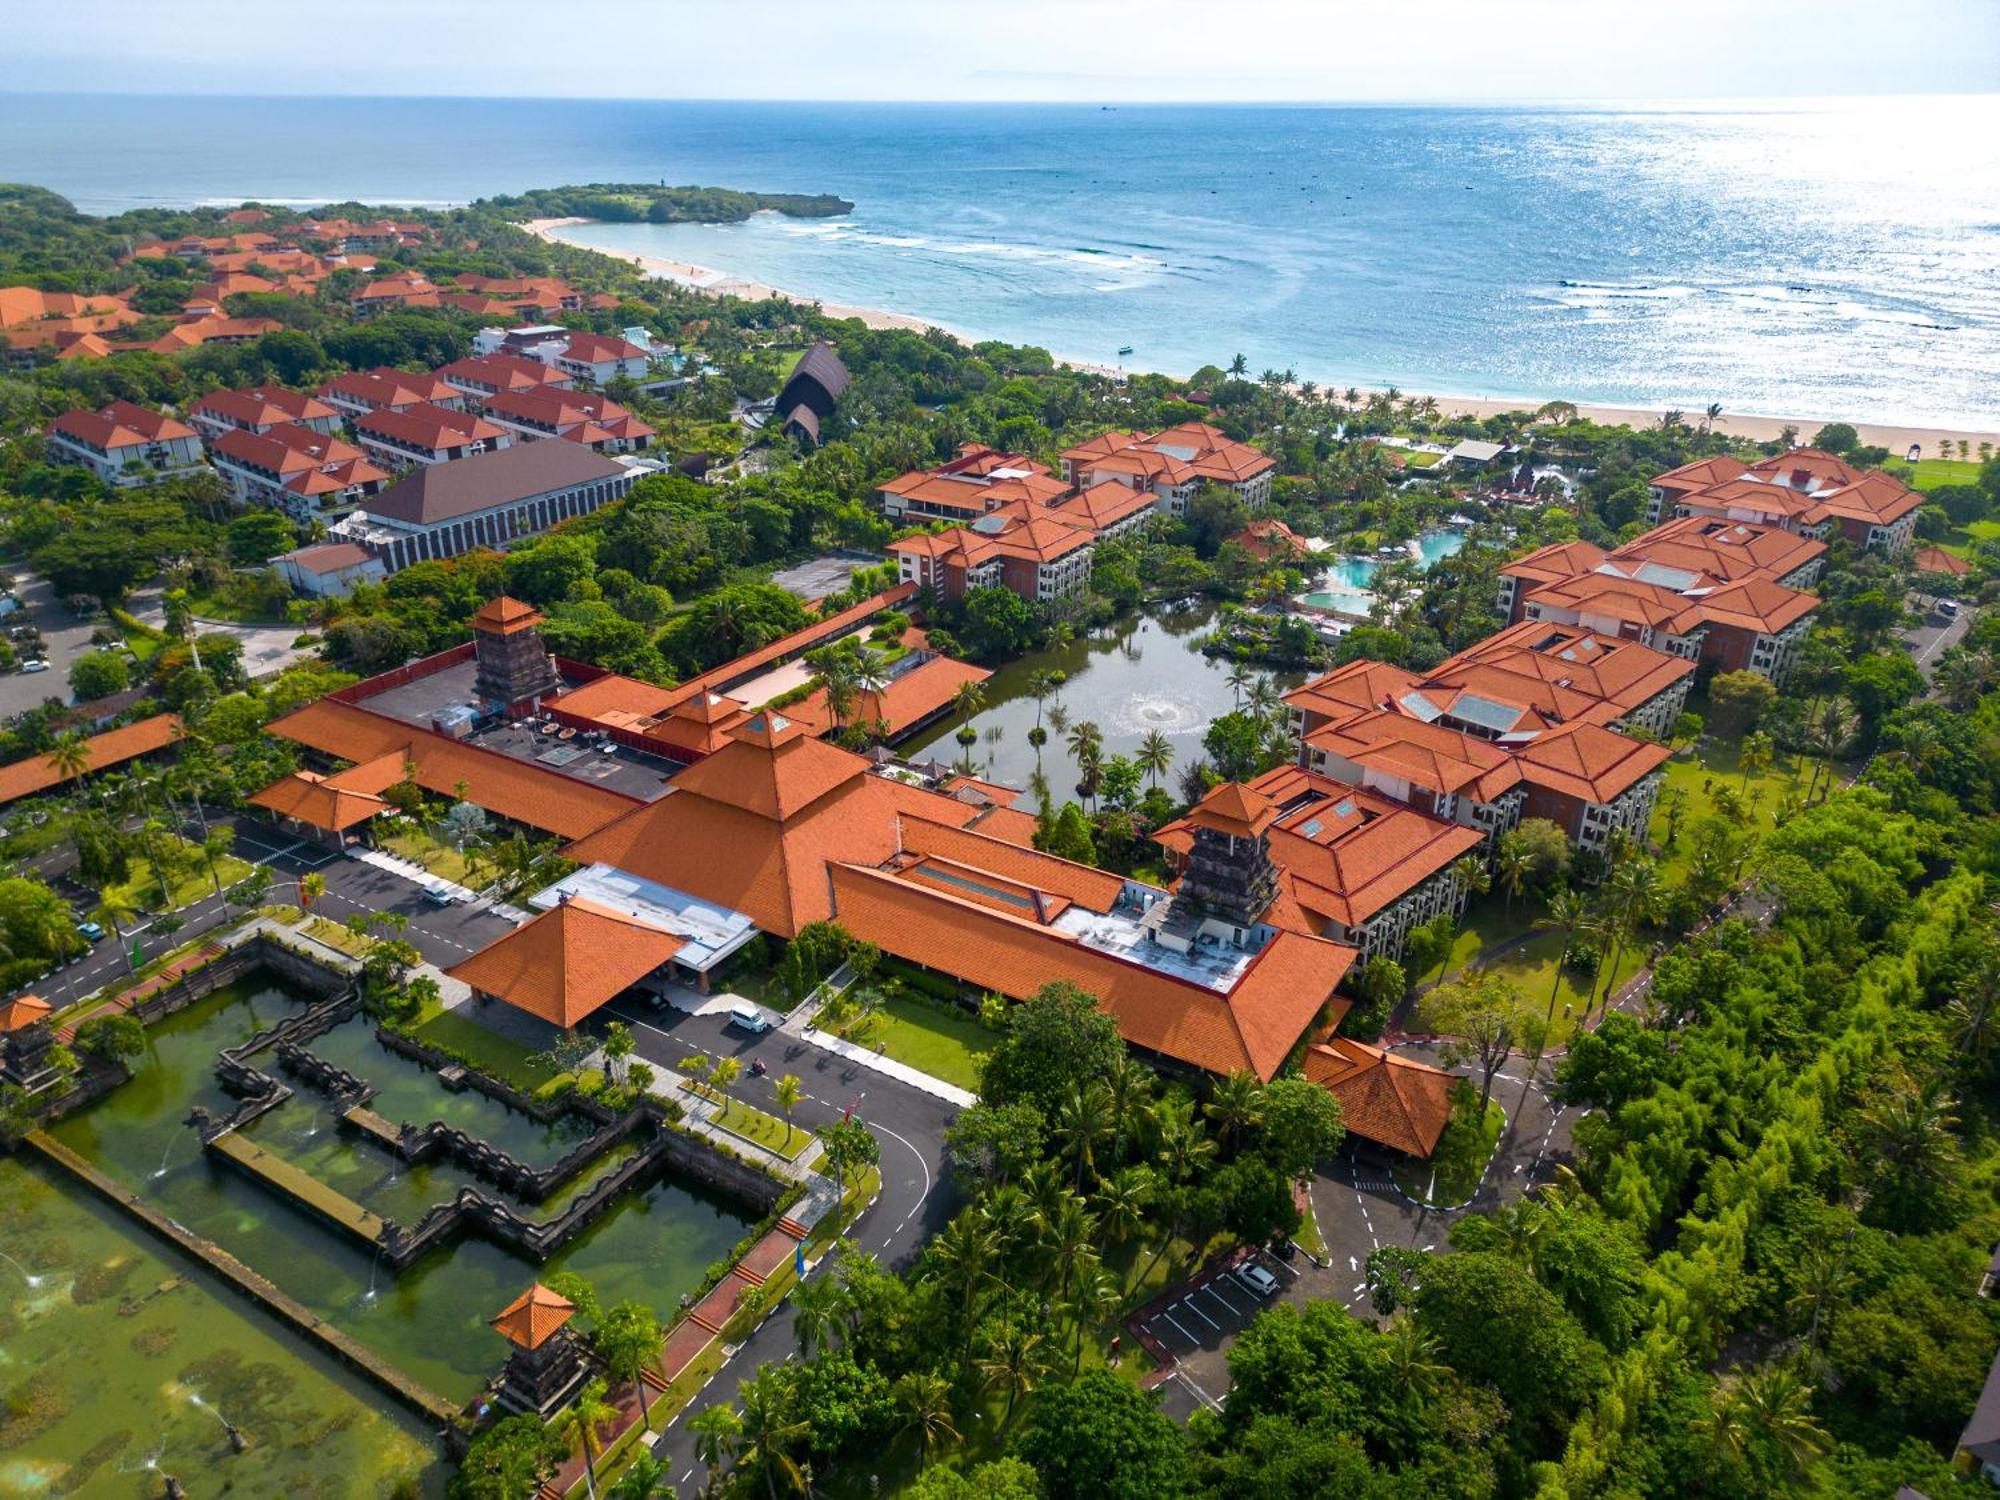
888,1067
416,874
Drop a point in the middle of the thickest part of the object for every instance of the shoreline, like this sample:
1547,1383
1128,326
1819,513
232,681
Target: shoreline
1749,426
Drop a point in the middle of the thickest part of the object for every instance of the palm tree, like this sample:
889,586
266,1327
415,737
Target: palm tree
1635,893
311,888
962,1257
818,1306
643,1478
1015,1359
1068,1243
1239,679
113,911
1265,698
789,1090
1755,754
1415,1370
214,849
1082,1120
628,1341
1233,1104
1121,1202
717,1432
1239,366
578,1423
1911,1131
1566,913
1777,1404
1155,756
967,701
925,1397
725,1072
1096,1298
1511,869
698,1067
70,756
832,669
770,1430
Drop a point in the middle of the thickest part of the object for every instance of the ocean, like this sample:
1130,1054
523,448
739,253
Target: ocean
1836,258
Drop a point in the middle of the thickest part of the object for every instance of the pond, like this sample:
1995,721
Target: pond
1142,674
1344,585
105,1350
430,1319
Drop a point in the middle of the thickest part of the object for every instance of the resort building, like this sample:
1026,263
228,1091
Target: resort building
487,375
1805,491
124,444
1728,594
301,471
1034,554
977,481
427,434
809,393
1532,677
595,421
360,392
445,510
1173,464
38,773
599,358
329,570
1353,866
258,410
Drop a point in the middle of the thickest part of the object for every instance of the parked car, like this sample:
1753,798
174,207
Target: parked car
1258,1280
90,930
749,1018
34,664
1948,608
439,895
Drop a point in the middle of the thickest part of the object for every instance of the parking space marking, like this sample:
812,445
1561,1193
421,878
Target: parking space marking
1188,1303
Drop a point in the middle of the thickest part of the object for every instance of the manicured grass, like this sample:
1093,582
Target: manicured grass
1418,458
926,1037
1452,1174
335,935
767,1131
489,1051
1700,775
1531,964
1930,473
142,891
439,858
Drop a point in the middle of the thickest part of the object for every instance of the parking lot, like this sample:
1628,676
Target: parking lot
64,639
1200,1319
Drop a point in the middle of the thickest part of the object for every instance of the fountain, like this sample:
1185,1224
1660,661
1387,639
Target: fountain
374,1266
28,1276
237,1441
172,1141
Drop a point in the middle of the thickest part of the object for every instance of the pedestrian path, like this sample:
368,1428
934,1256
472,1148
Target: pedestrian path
888,1067
416,874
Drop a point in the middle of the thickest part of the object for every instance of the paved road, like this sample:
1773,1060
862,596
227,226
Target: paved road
916,1197
267,649
444,935
1929,639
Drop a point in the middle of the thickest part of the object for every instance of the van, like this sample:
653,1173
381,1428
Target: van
1948,608
749,1018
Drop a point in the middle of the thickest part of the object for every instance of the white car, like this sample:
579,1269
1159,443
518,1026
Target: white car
34,664
1258,1280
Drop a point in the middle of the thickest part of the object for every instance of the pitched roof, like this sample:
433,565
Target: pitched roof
426,425
1589,762
121,424
502,372
23,1010
319,801
1234,809
503,615
531,1317
1391,1100
772,767
512,788
819,366
36,774
567,962
329,557
444,492
263,406
1937,560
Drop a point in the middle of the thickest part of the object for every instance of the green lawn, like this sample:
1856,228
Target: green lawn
335,935
1531,964
1452,1174
1930,473
141,891
421,847
1699,774
927,1037
767,1131
488,1050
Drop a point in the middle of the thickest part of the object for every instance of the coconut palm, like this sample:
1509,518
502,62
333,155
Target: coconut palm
1239,679
214,849
1415,1370
1265,699
1016,1358
1776,1405
1155,756
1069,1245
112,912
1096,1298
311,888
819,1306
1511,868
1121,1201
1755,754
1566,913
643,1478
577,1425
925,1397
962,1258
627,1339
717,1432
70,756
1233,1105
1082,1121
771,1430
1634,893
789,1091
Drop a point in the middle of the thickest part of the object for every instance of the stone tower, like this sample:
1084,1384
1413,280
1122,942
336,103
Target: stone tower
1229,871
514,665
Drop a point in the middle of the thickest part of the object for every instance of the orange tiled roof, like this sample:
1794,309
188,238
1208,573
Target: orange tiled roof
1589,762
1427,755
23,1010
307,797
1269,539
909,698
531,1317
122,424
429,426
1937,560
503,372
502,615
35,774
1555,562
1701,473
1234,809
567,962
1393,1101
515,789
1355,688
263,406
1254,1026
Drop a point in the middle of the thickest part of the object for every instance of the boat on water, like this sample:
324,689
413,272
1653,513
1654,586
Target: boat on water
1124,349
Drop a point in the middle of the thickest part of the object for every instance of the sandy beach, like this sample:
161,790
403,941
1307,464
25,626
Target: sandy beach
1752,426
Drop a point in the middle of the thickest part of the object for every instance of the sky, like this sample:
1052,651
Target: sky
1029,50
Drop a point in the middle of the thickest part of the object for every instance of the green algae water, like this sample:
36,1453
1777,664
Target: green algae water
120,1361
431,1319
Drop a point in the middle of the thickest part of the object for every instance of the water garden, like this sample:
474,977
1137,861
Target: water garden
333,1204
